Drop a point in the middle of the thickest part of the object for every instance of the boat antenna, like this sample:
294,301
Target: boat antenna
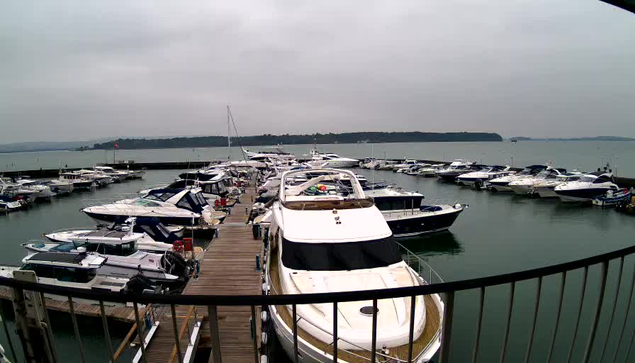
229,139
372,157
231,116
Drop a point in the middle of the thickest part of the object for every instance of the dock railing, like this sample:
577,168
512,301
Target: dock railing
594,343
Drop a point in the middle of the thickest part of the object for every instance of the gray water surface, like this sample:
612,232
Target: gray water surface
498,233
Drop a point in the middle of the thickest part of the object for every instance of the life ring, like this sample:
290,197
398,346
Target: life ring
177,246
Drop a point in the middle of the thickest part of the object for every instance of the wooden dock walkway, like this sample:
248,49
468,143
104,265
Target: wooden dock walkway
121,313
228,267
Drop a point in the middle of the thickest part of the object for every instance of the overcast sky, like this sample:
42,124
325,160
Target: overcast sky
76,70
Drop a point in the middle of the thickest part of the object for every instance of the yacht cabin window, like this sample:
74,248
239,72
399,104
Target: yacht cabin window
340,256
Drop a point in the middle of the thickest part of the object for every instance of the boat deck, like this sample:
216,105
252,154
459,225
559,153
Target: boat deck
431,330
228,267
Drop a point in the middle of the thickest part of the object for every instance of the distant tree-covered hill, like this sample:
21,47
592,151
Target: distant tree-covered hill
268,139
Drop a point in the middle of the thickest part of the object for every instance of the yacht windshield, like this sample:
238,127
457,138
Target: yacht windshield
340,256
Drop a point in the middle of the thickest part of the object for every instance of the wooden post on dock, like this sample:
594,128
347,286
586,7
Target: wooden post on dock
31,322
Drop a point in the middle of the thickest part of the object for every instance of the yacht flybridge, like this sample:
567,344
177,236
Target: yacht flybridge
331,238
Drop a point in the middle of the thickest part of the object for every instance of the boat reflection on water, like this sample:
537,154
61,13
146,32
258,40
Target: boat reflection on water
444,243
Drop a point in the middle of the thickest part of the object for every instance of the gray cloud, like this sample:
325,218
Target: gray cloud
78,70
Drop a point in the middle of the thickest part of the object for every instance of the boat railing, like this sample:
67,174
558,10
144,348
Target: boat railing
607,279
420,266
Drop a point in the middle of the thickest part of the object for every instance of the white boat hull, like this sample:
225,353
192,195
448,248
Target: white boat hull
522,189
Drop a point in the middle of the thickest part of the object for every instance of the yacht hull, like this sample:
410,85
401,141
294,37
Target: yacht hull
580,195
180,221
405,224
522,189
308,353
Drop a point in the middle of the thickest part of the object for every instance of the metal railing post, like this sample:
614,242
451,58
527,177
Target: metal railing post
104,322
577,322
295,333
533,325
335,338
617,295
71,309
411,333
598,312
255,327
140,331
177,339
446,336
555,329
212,313
628,309
47,332
6,332
373,353
509,320
479,324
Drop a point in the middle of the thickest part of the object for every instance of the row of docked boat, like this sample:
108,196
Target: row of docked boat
139,243
542,181
19,193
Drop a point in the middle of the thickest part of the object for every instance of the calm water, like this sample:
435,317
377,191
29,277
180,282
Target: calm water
583,155
499,233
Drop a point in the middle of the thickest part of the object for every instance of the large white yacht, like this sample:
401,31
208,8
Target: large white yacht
502,184
478,178
330,160
587,188
117,175
524,186
183,207
545,188
323,240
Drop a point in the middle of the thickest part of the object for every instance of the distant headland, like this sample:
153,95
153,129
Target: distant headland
269,139
594,138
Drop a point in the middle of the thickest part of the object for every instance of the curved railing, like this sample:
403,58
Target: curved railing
448,289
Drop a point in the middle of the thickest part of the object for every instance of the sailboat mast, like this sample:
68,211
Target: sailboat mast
229,140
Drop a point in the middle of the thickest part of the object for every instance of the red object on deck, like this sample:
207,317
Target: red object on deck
223,202
188,244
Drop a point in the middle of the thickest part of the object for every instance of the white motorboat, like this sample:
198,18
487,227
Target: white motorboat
330,160
502,184
275,153
40,191
61,186
317,238
8,204
407,217
14,191
147,234
76,270
183,207
117,175
524,186
400,168
456,168
545,188
100,179
430,171
479,178
79,181
414,169
587,188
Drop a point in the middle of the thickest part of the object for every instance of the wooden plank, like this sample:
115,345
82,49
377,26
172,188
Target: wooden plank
121,313
228,267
